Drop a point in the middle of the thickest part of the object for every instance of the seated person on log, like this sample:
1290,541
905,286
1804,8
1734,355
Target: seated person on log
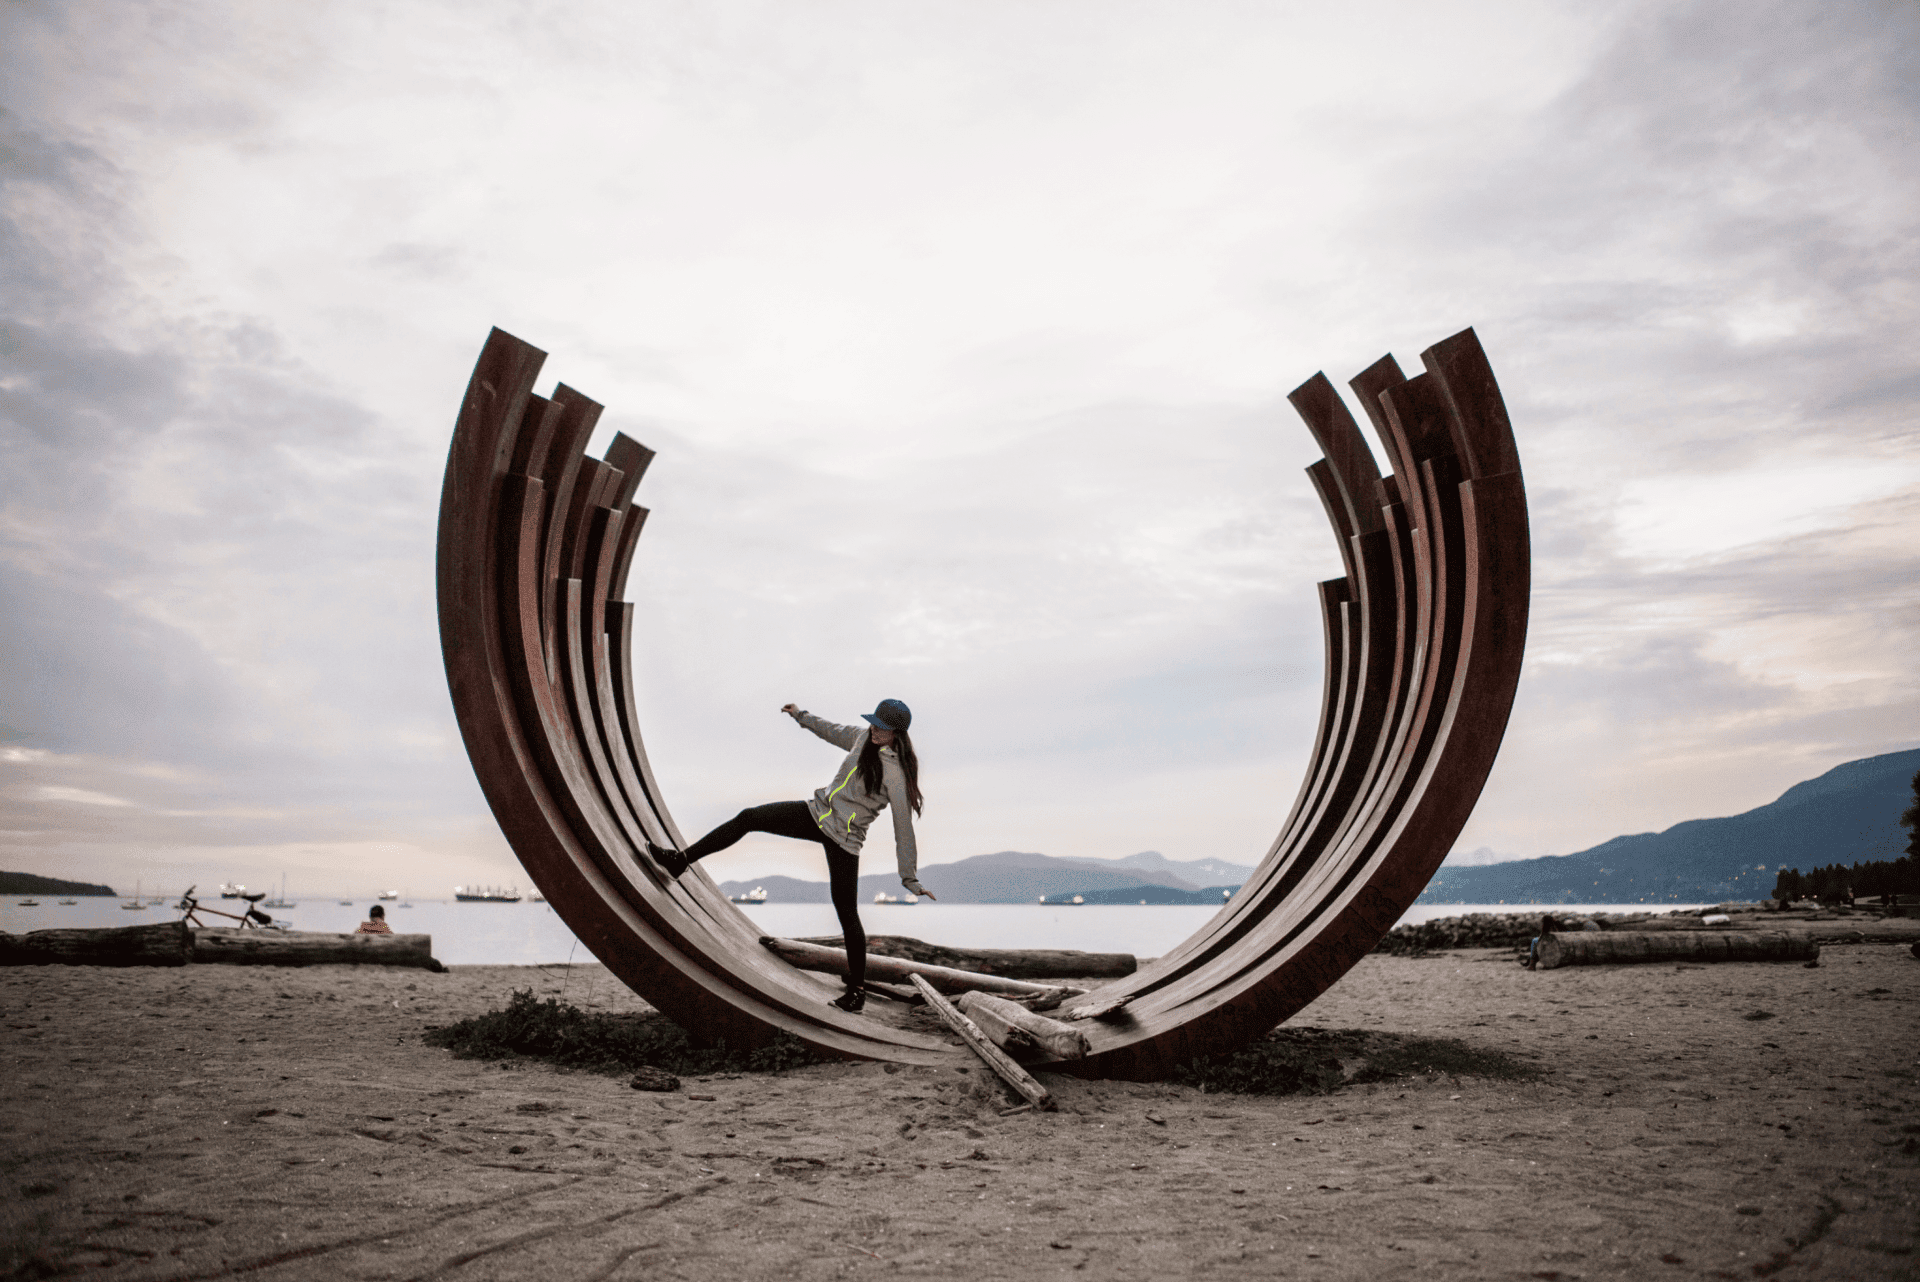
880,770
376,922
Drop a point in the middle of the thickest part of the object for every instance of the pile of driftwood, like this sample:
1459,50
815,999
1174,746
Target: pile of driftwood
174,943
1008,963
997,1015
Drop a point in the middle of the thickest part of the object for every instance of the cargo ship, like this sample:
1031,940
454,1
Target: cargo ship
485,895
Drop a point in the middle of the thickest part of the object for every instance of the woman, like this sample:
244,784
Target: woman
880,770
376,922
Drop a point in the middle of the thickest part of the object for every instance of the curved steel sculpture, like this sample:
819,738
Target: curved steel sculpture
1424,640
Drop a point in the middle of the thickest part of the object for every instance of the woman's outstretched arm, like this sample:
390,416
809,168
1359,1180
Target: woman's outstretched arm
838,736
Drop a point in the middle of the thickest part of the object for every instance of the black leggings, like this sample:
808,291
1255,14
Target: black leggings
793,819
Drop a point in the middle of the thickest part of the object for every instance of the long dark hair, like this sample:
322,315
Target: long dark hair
873,779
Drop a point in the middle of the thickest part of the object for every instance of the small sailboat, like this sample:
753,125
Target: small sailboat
68,903
281,901
134,905
29,903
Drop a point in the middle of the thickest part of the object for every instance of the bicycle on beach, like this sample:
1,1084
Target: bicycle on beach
190,910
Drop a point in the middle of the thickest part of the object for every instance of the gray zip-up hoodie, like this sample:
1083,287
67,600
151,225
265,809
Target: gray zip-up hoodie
844,808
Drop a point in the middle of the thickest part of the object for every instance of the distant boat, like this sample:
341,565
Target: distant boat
68,903
134,905
533,897
1068,903
346,903
758,895
232,890
29,903
281,902
389,894
485,895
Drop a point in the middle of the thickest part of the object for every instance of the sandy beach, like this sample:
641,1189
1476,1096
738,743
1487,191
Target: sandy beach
1735,1120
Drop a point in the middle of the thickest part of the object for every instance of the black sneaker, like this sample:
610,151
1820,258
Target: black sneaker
671,861
853,1001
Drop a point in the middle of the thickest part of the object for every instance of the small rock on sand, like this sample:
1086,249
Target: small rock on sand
652,1079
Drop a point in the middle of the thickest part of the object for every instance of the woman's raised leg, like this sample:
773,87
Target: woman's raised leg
781,818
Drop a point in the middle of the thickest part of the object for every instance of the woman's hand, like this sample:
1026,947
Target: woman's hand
915,888
790,708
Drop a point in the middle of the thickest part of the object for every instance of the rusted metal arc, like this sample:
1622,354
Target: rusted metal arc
1424,637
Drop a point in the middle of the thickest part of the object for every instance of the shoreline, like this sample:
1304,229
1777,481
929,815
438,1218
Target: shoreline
212,1121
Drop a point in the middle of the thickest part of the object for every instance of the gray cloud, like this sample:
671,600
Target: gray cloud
1062,513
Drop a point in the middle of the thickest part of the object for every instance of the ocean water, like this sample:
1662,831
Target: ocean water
528,934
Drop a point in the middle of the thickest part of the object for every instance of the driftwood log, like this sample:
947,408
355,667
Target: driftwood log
978,1042
162,944
1107,1008
311,948
833,961
1606,948
1008,963
1013,1028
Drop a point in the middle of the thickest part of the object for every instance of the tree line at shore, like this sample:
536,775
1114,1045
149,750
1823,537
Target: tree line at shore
1836,883
26,883
1869,880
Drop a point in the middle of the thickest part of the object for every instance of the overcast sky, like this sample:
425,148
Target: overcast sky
963,332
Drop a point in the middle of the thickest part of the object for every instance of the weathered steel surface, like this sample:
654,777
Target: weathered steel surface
1424,635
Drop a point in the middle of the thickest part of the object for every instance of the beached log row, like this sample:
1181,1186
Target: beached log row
1425,634
1509,930
312,948
174,943
1518,930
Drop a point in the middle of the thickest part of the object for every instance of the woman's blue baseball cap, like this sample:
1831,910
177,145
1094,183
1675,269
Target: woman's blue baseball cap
891,714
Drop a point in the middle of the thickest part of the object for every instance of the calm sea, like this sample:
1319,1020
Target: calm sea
528,934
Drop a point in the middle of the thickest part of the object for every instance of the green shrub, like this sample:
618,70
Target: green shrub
1313,1061
612,1044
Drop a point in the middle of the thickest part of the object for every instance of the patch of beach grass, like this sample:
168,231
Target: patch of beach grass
1314,1061
564,1035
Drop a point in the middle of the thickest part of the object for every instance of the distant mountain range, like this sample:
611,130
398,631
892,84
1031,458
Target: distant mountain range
1022,877
1848,815
26,883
